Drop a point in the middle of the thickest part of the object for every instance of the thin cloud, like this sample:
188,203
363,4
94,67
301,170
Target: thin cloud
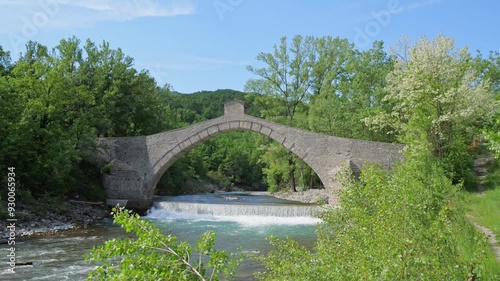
417,4
126,10
400,7
22,15
189,62
219,61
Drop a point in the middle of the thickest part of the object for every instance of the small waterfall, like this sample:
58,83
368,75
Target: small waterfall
275,210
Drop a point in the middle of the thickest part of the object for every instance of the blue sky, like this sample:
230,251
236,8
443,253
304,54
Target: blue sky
199,45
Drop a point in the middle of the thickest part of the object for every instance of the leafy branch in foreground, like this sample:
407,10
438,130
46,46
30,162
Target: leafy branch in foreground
155,256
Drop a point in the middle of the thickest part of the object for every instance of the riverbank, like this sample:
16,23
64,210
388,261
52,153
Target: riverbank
306,196
71,215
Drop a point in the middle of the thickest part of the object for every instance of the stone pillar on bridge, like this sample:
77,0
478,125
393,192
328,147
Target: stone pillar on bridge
234,108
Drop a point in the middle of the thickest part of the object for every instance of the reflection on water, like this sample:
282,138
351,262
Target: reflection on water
61,256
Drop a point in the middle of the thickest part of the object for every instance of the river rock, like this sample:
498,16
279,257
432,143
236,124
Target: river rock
307,196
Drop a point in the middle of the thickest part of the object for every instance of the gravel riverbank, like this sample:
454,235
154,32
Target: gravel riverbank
75,214
307,196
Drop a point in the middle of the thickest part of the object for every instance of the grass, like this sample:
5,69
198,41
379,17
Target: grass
485,210
485,207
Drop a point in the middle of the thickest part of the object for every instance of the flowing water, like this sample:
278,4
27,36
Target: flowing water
238,219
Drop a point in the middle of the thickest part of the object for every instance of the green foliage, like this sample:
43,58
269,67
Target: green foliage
286,78
57,101
489,68
406,225
236,155
278,165
492,135
190,166
155,256
322,84
5,61
352,89
204,105
435,91
277,170
220,180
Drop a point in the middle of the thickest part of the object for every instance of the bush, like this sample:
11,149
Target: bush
220,180
405,225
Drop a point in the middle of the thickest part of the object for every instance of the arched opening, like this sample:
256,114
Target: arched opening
239,159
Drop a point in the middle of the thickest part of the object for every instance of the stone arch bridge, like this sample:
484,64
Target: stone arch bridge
133,165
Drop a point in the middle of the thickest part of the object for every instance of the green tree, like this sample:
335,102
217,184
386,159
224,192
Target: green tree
352,88
492,135
5,61
490,69
155,256
127,101
322,84
285,85
286,79
277,167
43,124
10,106
58,100
236,156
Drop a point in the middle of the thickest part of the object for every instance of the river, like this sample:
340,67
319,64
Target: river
238,219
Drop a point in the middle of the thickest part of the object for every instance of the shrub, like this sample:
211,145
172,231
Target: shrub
404,225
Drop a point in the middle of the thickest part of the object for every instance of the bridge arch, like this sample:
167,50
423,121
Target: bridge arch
134,165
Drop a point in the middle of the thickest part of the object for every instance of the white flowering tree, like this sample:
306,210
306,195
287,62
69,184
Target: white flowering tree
436,96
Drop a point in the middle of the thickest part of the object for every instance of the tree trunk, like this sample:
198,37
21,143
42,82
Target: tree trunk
302,178
291,166
292,181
